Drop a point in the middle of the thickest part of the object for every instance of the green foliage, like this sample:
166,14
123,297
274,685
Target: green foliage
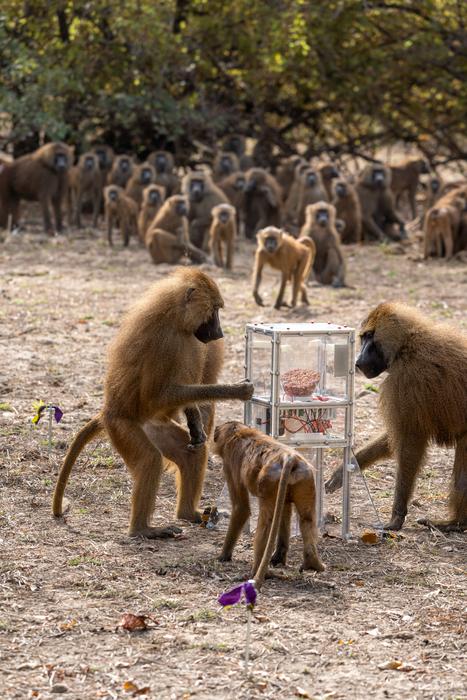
342,75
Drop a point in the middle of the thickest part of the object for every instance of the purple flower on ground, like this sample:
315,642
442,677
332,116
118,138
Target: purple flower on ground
58,413
234,596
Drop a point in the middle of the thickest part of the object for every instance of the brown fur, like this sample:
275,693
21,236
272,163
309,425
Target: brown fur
142,176
256,464
164,165
377,204
423,399
157,366
85,185
348,210
456,201
234,189
167,238
106,157
329,264
199,181
433,190
292,200
439,227
224,165
405,177
329,173
294,259
118,175
285,174
223,233
309,192
36,177
262,203
153,198
236,143
122,210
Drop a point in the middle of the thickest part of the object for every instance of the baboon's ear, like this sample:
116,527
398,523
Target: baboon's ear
190,293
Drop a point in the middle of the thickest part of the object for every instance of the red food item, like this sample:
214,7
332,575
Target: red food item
300,382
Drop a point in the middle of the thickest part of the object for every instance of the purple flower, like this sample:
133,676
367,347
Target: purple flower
58,413
234,596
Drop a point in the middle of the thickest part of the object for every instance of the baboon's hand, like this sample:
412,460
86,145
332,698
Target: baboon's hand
258,299
335,482
244,390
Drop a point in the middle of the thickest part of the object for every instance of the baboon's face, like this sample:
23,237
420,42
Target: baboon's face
311,178
161,163
226,165
154,197
224,216
271,243
341,189
124,165
322,217
210,329
378,177
196,190
240,183
60,162
113,195
371,360
146,176
181,208
89,163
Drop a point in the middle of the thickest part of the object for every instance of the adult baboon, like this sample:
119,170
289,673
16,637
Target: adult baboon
423,399
348,211
84,186
294,259
167,238
106,156
164,165
236,143
320,226
329,173
262,203
153,198
203,195
234,189
290,214
433,190
166,356
121,210
224,165
440,227
405,177
310,191
285,173
256,464
223,232
121,171
142,176
41,176
455,201
377,204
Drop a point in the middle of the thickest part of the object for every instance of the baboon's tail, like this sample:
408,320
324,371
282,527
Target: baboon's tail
310,244
85,435
287,466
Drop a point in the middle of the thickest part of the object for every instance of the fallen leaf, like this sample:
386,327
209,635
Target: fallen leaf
68,625
369,537
390,666
134,623
301,693
130,687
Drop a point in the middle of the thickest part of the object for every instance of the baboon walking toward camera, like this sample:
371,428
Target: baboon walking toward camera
166,357
423,399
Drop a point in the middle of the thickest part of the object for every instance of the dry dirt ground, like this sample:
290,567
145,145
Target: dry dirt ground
383,621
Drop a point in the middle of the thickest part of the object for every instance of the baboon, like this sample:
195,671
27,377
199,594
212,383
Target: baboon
106,156
223,231
456,201
285,174
405,177
167,238
255,463
262,203
203,195
41,176
84,185
310,190
164,165
348,211
234,189
291,203
142,176
294,258
122,210
320,226
328,173
433,187
153,197
439,226
121,171
224,165
423,399
166,356
377,204
236,143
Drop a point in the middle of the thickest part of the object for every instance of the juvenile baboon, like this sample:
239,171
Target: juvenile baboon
310,191
84,186
285,173
439,228
405,177
122,211
164,165
348,211
320,226
121,171
329,173
153,197
41,176
423,399
223,231
377,204
262,203
203,195
167,237
224,165
456,201
106,156
256,464
142,176
294,258
166,356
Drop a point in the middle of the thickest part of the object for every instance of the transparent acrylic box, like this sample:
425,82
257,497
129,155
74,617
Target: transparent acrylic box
303,374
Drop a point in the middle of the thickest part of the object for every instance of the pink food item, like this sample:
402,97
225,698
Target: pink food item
300,382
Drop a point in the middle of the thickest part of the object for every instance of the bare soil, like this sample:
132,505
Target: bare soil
383,621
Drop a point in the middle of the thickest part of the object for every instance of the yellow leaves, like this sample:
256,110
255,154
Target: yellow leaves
370,537
130,687
395,665
65,626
